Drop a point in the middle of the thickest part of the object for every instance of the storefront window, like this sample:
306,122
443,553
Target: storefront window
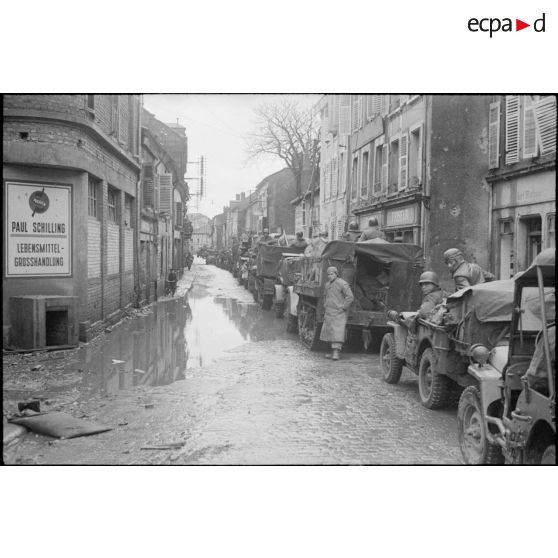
551,228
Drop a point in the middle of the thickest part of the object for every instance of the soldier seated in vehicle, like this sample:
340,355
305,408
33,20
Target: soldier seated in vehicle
464,274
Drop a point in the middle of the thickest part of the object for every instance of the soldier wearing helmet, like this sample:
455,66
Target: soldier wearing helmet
464,274
432,294
353,234
372,231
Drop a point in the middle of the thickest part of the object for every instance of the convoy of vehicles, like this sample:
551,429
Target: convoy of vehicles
510,413
490,347
438,349
381,275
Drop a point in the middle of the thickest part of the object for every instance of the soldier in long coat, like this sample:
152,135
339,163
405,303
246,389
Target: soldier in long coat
338,299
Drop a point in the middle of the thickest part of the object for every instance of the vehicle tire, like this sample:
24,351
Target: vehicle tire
433,387
391,365
549,456
308,328
472,431
279,308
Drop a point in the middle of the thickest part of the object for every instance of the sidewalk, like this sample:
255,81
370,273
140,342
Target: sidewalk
55,377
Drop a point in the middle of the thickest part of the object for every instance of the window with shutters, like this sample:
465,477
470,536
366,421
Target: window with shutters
494,135
354,178
394,102
385,167
378,169
148,186
393,171
333,113
356,112
512,129
112,205
415,157
334,177
551,231
344,115
115,103
92,197
373,106
128,211
403,161
545,122
530,144
364,173
165,193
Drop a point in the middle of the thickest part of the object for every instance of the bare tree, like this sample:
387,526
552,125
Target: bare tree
288,131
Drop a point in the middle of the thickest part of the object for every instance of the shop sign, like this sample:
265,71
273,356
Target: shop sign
38,230
398,217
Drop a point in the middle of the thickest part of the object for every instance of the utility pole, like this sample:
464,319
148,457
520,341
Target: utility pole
202,184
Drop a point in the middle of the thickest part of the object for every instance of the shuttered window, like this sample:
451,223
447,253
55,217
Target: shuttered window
373,106
512,129
148,186
385,155
545,119
165,193
356,114
344,115
494,135
364,174
333,113
334,177
403,161
530,144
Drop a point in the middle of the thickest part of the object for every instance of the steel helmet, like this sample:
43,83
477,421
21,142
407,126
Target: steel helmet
353,226
373,222
452,254
430,277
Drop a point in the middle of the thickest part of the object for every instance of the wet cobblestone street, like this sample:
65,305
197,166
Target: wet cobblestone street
247,392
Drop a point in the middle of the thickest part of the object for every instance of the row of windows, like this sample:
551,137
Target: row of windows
113,203
378,168
529,128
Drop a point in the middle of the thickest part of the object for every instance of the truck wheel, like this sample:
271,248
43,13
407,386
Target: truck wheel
549,456
472,431
308,328
433,387
391,365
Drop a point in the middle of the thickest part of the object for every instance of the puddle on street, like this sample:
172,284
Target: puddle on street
176,335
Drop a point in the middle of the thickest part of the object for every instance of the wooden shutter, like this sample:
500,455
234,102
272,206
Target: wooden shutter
383,104
148,186
354,112
512,129
529,129
360,109
333,113
494,135
334,177
373,106
385,156
403,159
545,120
344,115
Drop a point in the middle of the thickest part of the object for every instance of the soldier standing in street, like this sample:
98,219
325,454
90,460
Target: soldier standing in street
338,299
464,274
372,231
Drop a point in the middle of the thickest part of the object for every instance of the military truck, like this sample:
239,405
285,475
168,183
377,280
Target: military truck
267,268
438,349
509,414
381,275
284,298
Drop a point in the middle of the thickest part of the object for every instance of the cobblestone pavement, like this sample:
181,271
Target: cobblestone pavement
264,401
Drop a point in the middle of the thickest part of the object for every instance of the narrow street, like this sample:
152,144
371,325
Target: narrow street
224,383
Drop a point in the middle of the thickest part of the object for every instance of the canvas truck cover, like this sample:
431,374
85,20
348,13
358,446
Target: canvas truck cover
267,260
385,252
546,261
490,302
